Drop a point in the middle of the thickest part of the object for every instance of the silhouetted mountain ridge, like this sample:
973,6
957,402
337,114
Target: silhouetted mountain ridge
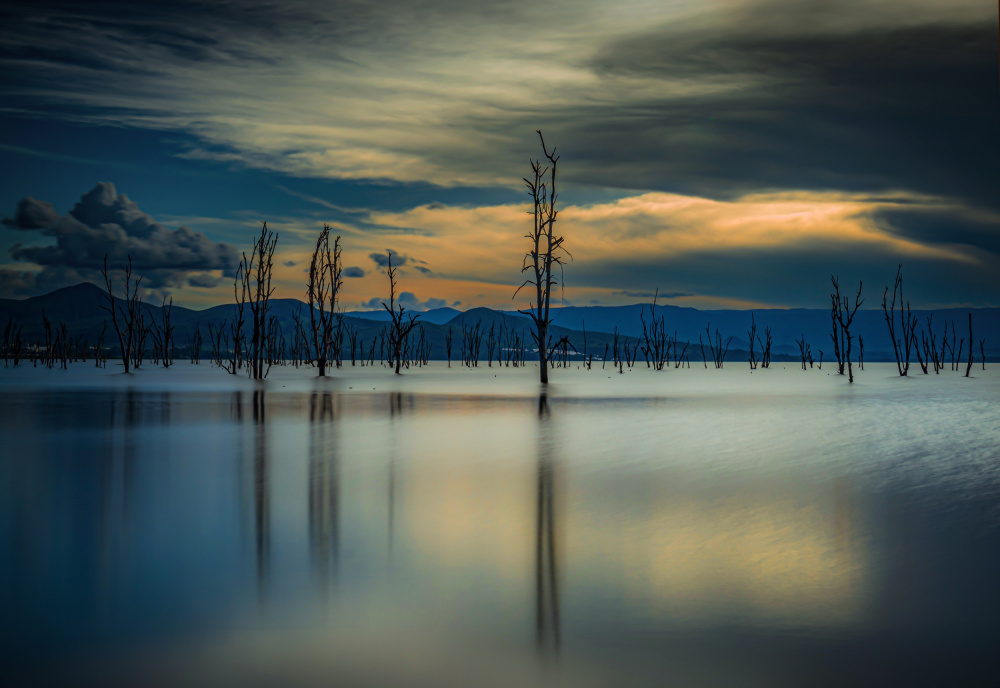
80,307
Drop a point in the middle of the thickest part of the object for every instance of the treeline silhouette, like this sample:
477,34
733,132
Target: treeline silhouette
318,333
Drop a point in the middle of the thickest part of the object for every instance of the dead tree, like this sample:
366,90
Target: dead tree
163,333
257,287
401,328
765,347
491,343
836,334
142,330
655,341
236,331
861,353
968,365
12,342
844,316
124,318
195,346
99,348
718,353
907,323
952,347
322,294
805,352
447,345
982,352
751,336
544,253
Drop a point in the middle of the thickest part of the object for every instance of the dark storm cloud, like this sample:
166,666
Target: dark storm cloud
761,95
106,223
946,227
910,107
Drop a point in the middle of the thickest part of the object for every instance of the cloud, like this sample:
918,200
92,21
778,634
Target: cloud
710,97
410,302
32,214
382,259
105,222
772,248
353,272
421,268
203,280
289,263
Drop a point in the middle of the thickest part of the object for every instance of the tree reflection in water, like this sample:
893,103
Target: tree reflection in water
546,578
324,490
262,492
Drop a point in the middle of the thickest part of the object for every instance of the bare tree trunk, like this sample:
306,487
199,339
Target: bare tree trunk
968,366
544,253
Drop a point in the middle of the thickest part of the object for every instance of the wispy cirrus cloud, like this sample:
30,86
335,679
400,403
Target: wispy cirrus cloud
715,98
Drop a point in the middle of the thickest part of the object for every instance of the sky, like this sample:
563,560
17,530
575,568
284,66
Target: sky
727,153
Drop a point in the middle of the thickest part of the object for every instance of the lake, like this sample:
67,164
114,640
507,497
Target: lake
449,527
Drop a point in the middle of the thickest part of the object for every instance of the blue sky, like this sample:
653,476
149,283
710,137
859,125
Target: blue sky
730,152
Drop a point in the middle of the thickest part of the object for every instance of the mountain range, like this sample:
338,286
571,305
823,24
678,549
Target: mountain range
80,308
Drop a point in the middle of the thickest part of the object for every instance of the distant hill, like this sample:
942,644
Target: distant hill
435,316
80,307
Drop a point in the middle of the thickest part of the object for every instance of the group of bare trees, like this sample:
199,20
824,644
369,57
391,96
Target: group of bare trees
253,340
903,330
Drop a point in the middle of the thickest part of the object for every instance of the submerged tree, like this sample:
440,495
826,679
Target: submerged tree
544,253
805,352
126,319
322,293
257,286
968,366
901,347
163,333
843,315
400,328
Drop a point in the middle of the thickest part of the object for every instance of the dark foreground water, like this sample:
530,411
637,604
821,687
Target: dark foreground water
401,539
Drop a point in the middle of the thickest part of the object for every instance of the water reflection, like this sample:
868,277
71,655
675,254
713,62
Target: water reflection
514,521
546,574
324,490
259,483
395,411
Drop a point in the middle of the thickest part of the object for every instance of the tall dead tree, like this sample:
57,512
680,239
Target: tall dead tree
901,346
257,286
544,254
322,294
400,330
751,336
844,316
124,317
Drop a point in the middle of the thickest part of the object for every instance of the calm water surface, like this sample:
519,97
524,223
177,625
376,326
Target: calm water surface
397,539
